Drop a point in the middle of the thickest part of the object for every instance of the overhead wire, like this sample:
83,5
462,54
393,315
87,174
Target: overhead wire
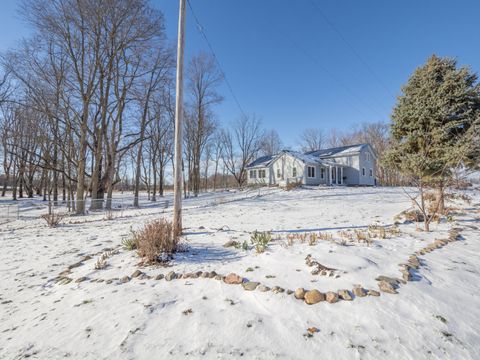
209,44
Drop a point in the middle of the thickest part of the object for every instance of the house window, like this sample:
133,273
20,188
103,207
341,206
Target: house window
371,173
363,171
367,155
311,171
261,174
294,172
253,174
278,173
322,173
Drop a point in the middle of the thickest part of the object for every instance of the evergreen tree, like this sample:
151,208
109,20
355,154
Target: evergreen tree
435,126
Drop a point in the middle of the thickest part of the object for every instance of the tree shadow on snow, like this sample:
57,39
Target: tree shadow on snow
199,253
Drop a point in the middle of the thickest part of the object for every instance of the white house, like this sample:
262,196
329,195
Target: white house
346,165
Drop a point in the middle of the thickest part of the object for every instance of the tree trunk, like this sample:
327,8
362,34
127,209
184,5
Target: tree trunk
440,200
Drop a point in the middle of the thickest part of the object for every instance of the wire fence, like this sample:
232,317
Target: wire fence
30,209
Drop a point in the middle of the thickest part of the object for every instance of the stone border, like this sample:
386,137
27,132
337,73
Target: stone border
385,284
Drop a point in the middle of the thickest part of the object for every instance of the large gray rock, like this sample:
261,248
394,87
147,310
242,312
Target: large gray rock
359,291
345,295
250,285
170,276
387,287
136,273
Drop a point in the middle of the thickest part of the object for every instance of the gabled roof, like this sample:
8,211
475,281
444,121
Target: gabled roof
338,151
261,161
313,157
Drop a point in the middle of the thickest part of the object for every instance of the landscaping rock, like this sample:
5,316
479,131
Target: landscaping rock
231,243
278,289
124,279
373,293
81,279
204,274
345,295
212,274
233,279
407,276
171,276
387,287
263,288
331,297
289,292
250,285
77,264
300,293
359,291
218,277
313,297
389,280
137,273
159,277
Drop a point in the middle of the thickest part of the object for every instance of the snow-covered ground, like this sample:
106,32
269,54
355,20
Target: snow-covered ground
435,316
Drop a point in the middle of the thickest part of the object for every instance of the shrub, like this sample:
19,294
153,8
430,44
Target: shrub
129,244
156,242
293,185
53,219
260,240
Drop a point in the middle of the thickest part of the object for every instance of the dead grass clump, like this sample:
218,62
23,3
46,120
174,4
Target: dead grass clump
325,236
293,185
312,239
53,219
413,215
156,242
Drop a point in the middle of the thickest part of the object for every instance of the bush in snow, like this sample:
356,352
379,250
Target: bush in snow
156,241
260,240
53,219
129,244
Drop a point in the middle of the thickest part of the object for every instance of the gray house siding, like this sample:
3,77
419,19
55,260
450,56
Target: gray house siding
346,165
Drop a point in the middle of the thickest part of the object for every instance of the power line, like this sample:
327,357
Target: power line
229,86
352,48
329,73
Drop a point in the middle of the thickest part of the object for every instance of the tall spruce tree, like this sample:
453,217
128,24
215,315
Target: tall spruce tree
435,127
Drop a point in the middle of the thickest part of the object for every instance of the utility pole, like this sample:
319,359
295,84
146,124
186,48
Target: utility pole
177,186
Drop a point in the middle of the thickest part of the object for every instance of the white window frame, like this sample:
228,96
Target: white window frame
262,174
311,174
253,174
279,175
363,172
371,172
294,172
322,173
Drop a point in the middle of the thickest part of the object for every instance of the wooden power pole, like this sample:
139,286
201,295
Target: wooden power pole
177,186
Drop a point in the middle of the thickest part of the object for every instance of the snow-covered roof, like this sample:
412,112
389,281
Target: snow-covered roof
338,151
312,157
261,161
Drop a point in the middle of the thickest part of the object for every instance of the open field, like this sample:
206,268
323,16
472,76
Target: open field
104,315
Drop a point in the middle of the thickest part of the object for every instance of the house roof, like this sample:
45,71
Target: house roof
309,159
261,161
338,151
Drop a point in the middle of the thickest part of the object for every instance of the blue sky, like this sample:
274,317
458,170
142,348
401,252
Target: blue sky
297,67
